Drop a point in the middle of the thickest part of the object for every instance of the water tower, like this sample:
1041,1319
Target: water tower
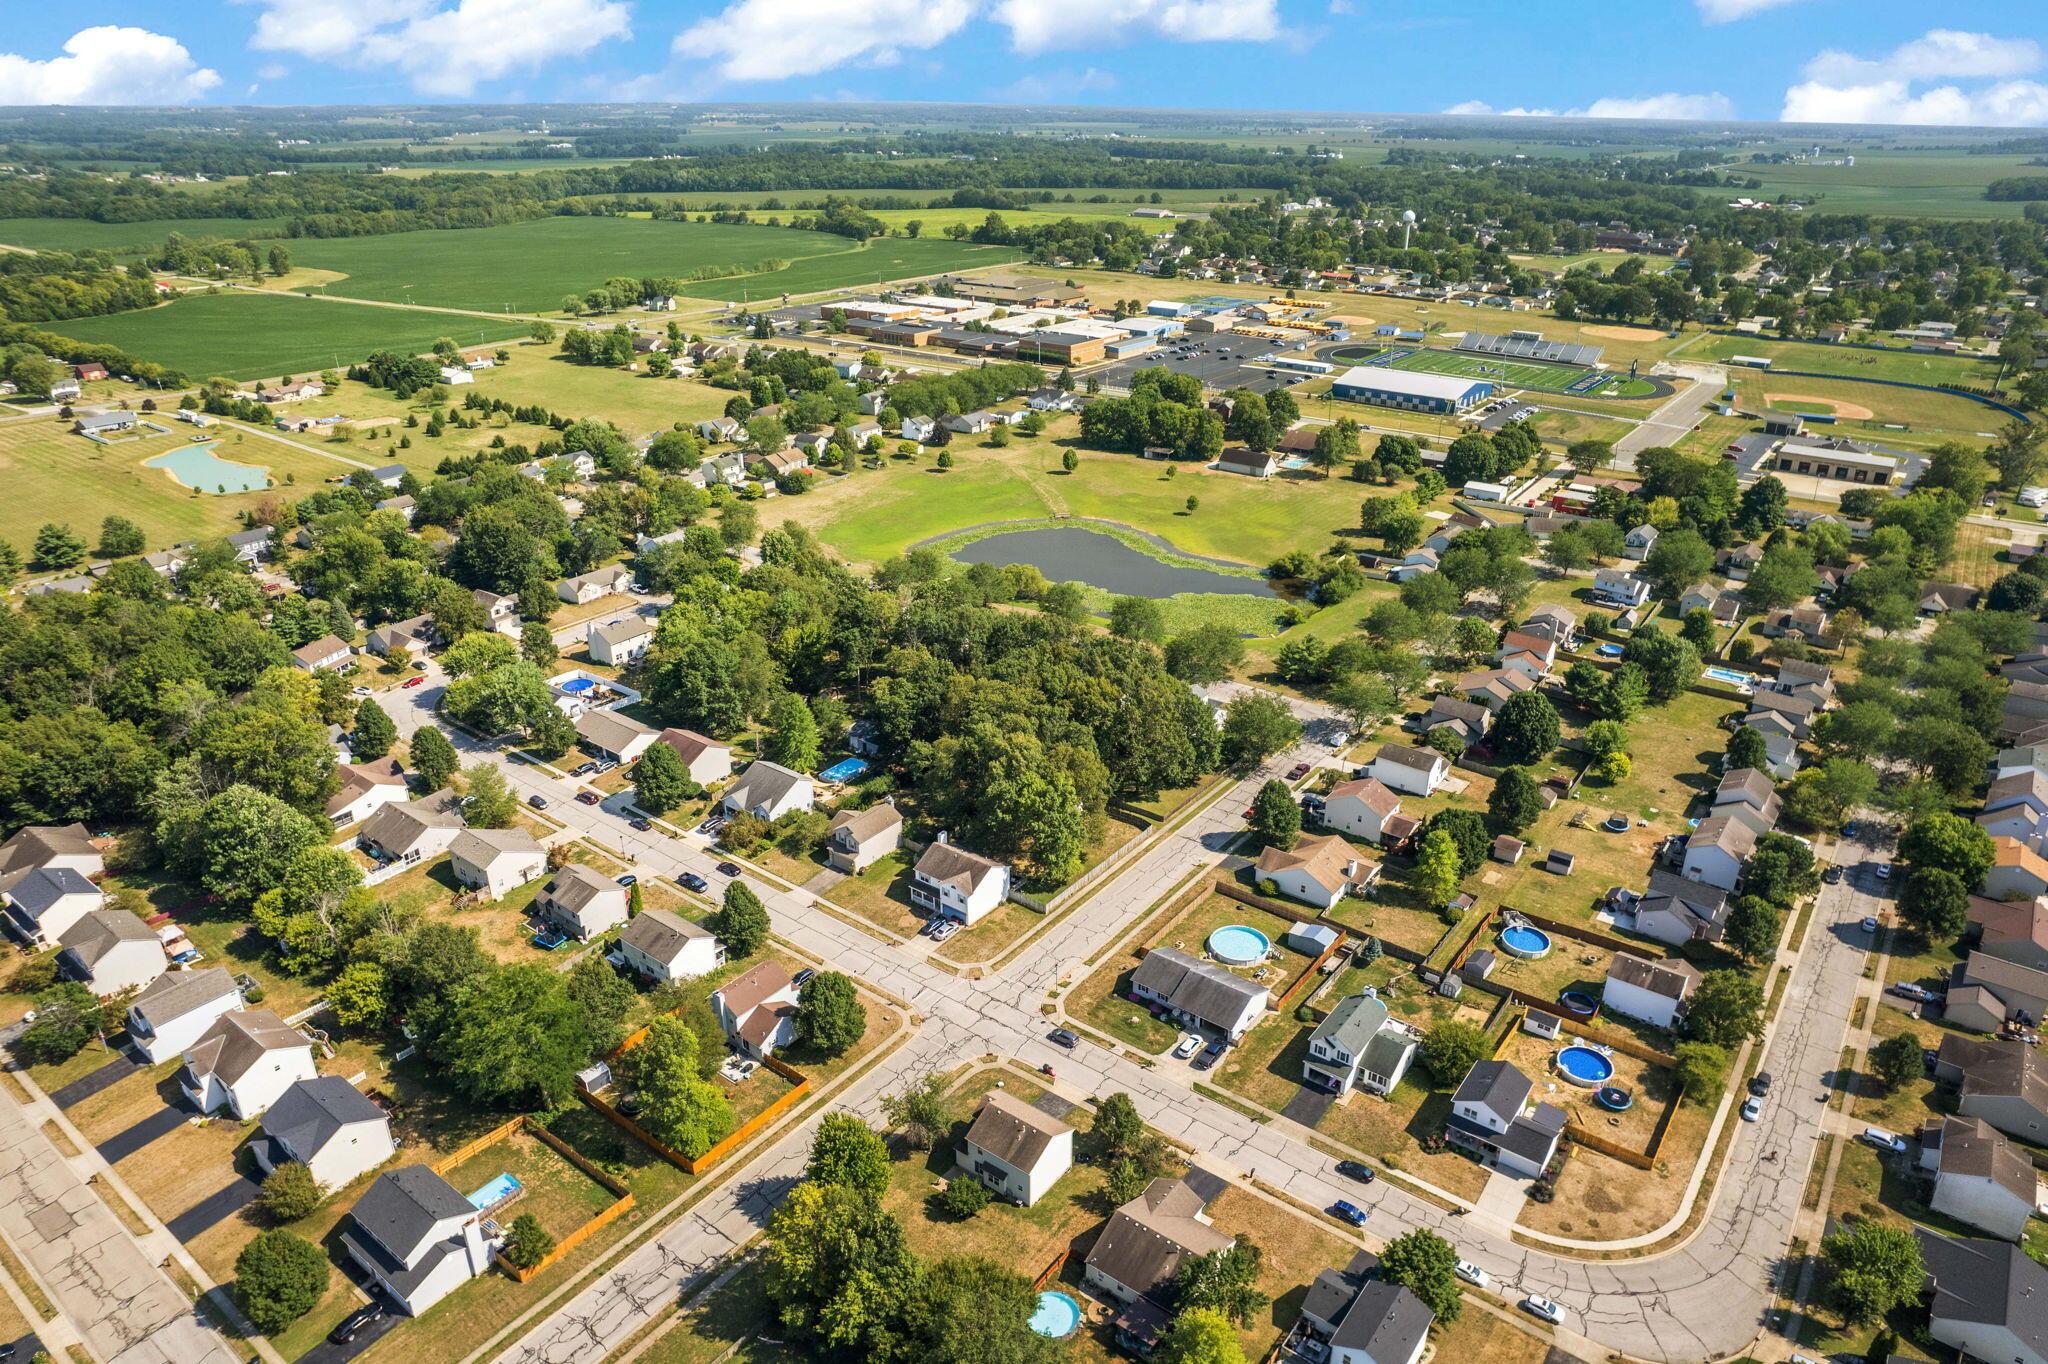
1407,226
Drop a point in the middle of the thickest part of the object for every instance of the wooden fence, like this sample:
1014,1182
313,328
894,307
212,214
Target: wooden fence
1230,891
1585,935
1052,1271
622,1195
697,1165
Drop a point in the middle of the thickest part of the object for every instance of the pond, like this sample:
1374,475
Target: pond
196,466
1075,555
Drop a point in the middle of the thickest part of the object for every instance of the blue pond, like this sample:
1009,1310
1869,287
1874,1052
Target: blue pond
196,466
1584,1066
1057,1315
1237,945
1070,554
494,1193
1524,941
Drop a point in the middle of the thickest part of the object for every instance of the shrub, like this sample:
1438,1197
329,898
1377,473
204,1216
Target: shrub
290,1192
965,1197
278,1278
528,1243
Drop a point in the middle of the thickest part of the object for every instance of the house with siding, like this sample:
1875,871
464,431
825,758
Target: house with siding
858,839
175,1010
244,1062
495,862
1140,1250
1653,992
663,947
329,1126
1980,1178
1361,807
1017,1151
948,881
110,951
1198,994
417,1236
1988,1300
1318,870
2004,1083
757,1009
1492,1118
1358,1046
705,759
582,903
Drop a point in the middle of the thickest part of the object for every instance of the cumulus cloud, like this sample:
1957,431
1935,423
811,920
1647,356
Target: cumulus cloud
1728,11
754,40
108,65
1667,106
1041,25
442,49
1896,87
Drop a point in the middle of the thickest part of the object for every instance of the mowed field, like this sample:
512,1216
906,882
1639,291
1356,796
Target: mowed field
82,234
247,335
1853,362
1932,184
881,260
1503,372
529,267
1864,411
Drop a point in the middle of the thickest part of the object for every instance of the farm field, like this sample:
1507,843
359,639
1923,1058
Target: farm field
253,335
1934,184
881,260
83,234
528,267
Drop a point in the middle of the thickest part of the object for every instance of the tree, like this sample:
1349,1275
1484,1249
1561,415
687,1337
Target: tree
1727,1007
1781,870
1222,1281
515,1038
919,1111
1896,1060
374,733
68,1015
1680,558
837,1268
975,1311
433,757
1276,819
964,1195
1453,1047
677,1105
278,1278
247,840
1205,654
1526,729
1702,1068
1754,926
849,1153
528,1242
488,801
57,546
602,996
1436,868
120,537
1201,1336
1255,727
1136,618
829,1015
1426,1265
359,995
1516,801
1875,1267
1936,902
1746,748
290,1192
1117,1129
1949,842
792,734
660,781
1587,455
1670,664
741,922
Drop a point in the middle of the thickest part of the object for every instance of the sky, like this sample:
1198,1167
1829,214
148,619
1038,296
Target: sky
1832,61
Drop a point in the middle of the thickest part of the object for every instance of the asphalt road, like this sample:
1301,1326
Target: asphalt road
1677,416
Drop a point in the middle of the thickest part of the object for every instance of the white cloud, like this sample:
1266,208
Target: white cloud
1728,11
1840,87
1342,7
755,40
272,71
1042,25
1667,106
1052,87
443,49
108,65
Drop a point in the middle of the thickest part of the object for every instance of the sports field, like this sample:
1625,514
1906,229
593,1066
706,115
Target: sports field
883,259
82,234
1853,362
246,335
1508,373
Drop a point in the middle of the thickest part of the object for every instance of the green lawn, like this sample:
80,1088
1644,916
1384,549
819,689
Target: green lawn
251,335
883,259
1854,362
1945,183
82,234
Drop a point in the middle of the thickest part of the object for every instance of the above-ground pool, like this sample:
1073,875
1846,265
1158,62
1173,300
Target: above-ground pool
1237,945
1578,1003
1584,1066
846,769
1057,1315
197,467
495,1192
1521,940
1732,676
576,686
1610,651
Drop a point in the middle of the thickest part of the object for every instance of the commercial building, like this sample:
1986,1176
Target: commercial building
1408,390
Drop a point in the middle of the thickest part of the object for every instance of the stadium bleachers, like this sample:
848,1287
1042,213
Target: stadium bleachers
1530,346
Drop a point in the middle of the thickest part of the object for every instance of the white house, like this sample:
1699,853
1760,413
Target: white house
495,862
1990,1301
1361,807
330,652
609,734
705,759
1197,993
1675,911
1653,991
919,429
757,1008
1979,1176
1619,587
599,582
175,1010
769,791
1140,1249
244,1062
1358,1045
951,882
1718,849
2016,806
329,1126
581,902
110,951
664,947
1413,771
1638,543
1317,870
67,846
366,788
454,375
1750,796
620,643
1016,1150
418,1236
2017,872
41,902
1488,1119
414,830
860,838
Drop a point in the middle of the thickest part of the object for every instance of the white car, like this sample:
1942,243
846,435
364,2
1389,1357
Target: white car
1536,1305
1187,1047
1471,1273
1752,1108
1884,871
358,691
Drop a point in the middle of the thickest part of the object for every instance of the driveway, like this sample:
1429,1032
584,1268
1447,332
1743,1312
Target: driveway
112,1073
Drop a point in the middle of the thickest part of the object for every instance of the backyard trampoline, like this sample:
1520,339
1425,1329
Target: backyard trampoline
1578,1003
1614,1099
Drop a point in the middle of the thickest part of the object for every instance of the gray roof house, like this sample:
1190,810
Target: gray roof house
1140,1250
581,902
41,902
1015,1149
1199,993
1358,1046
175,1010
109,951
417,1235
329,1126
1487,1119
1989,1300
769,790
1385,1324
1675,911
1980,1177
415,829
665,947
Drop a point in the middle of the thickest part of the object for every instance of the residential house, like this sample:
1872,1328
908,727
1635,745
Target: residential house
1491,1118
1197,994
706,760
2004,1083
404,504
106,422
1358,1046
329,1126
609,734
244,1062
329,651
950,882
1139,1252
253,546
1718,849
769,791
599,582
1800,677
417,1236
919,429
1017,1151
1795,710
1654,992
1493,687
2009,930
1467,719
66,846
722,429
663,947
757,1008
1985,991
1738,563
1412,771
1250,463
110,951
1555,623
1418,561
413,831
1979,1177
1361,807
41,902
2016,807
501,610
1937,599
175,1010
403,639
365,789
1781,748
1317,871
1526,651
1675,911
495,862
582,903
1989,1300
1808,623
782,463
860,838
1619,587
1638,543
1750,796
2017,871
390,475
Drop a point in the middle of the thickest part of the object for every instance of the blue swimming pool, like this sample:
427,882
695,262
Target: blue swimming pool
1610,651
846,769
1584,1066
1523,941
1057,1316
196,466
576,686
1237,945
495,1192
1733,677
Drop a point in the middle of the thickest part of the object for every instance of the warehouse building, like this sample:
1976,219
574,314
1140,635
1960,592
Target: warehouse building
1410,391
1843,461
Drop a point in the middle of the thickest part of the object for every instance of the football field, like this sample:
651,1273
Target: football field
1538,378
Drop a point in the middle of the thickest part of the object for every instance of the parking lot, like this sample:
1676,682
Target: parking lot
1218,361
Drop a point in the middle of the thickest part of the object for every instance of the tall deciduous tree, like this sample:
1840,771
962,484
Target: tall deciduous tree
677,1105
849,1153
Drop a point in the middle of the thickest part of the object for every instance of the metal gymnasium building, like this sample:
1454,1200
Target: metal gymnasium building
1414,392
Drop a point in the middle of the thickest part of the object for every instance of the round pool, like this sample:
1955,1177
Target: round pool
1584,1066
1237,945
1578,1003
576,686
1610,651
1520,940
1614,1098
1057,1315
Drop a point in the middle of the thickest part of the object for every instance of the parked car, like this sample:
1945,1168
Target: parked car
537,802
607,765
1832,875
413,681
1186,1047
1882,1140
1536,1305
728,869
1060,1037
1760,1083
800,977
691,881
629,879
643,825
1869,923
1211,1054
1752,1108
358,691
1884,871
1906,989
946,929
1298,771
355,1322
583,770
1352,1169
1348,1211
1471,1273
588,798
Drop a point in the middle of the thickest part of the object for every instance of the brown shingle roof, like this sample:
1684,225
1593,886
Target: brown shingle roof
746,990
237,1041
1013,1131
1144,1241
1372,792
